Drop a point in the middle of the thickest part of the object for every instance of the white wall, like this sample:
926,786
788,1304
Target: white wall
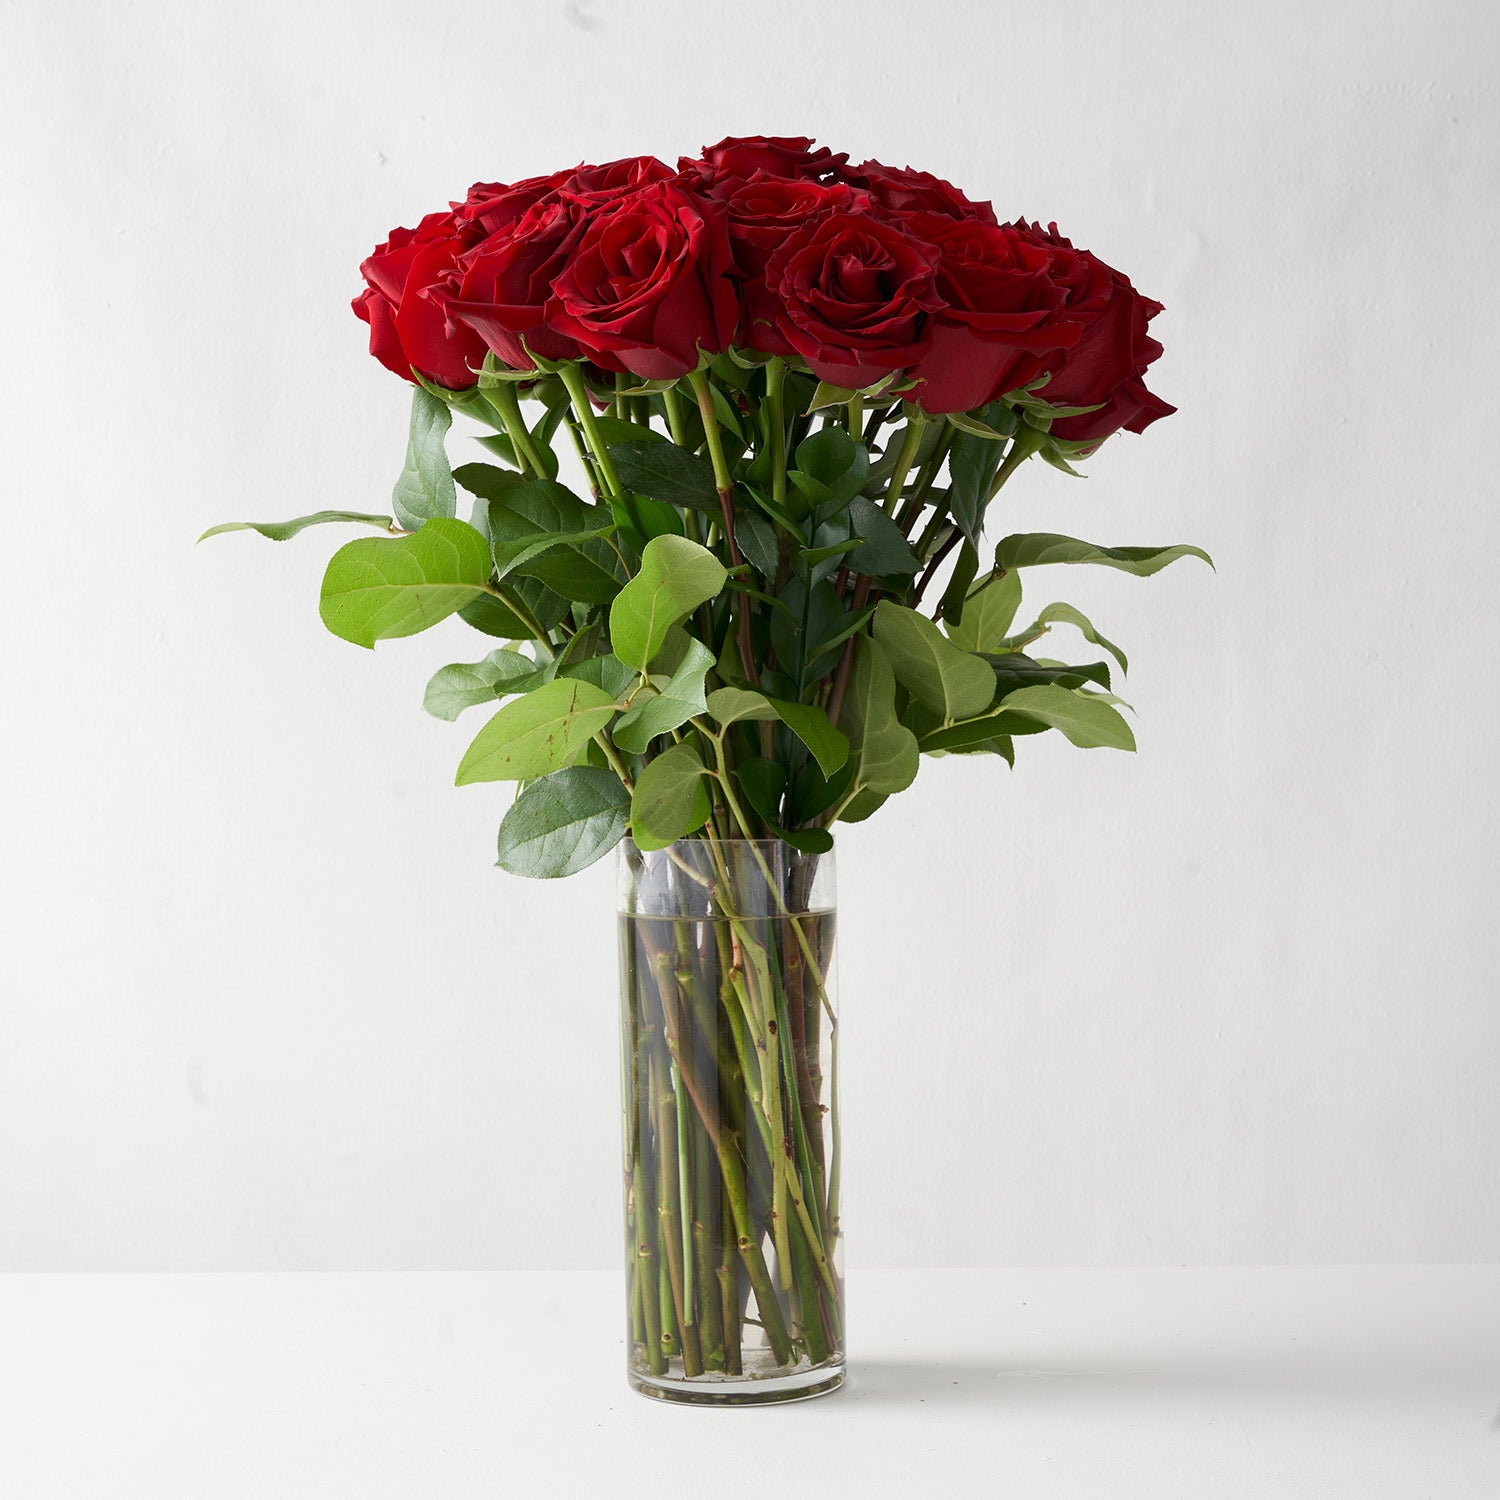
267,1003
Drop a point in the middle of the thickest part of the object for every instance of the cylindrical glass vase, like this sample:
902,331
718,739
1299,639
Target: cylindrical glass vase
729,1048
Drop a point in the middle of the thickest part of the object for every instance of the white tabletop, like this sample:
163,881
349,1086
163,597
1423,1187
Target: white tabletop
1360,1382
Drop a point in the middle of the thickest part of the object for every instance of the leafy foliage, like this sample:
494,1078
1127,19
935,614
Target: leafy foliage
735,633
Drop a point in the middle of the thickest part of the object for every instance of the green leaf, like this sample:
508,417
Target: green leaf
1038,548
676,576
757,539
987,614
1070,616
603,672
831,469
640,518
804,636
950,608
563,823
971,734
830,748
486,613
973,463
994,423
616,430
1015,670
884,550
836,395
1087,721
547,729
545,531
280,531
467,684
930,667
670,799
425,489
379,588
486,481
666,472
674,705
887,750
762,781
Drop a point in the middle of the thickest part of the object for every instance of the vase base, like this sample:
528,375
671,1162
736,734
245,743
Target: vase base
739,1390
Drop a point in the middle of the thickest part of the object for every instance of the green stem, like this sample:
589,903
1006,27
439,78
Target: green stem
776,398
517,606
505,401
644,1223
676,422
572,379
724,482
910,442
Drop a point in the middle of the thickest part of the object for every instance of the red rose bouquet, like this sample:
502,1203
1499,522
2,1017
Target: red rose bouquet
743,423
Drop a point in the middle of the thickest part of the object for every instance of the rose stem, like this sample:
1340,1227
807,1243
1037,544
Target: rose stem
572,377
776,397
705,1194
724,482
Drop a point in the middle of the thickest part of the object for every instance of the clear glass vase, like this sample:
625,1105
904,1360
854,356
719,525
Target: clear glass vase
729,1049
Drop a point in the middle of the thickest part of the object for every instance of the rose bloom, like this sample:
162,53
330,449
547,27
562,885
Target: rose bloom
771,155
494,206
855,296
763,211
646,283
503,286
407,326
1104,367
1001,314
901,190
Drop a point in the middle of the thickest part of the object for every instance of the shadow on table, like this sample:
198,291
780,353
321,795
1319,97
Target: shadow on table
999,1386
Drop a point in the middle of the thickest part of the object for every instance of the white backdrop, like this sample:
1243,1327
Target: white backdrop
266,1001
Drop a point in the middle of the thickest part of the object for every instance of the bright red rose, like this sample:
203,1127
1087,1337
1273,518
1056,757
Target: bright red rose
493,206
856,296
504,285
903,190
1000,314
773,155
646,283
407,327
1105,366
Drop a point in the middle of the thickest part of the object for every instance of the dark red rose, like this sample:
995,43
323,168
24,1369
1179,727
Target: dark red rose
856,296
646,283
773,155
763,211
615,178
407,327
504,284
1105,366
1000,315
902,190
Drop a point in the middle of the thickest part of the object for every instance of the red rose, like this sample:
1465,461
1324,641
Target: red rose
615,178
763,211
493,206
505,285
1000,314
774,155
902,190
856,295
646,283
1105,366
407,327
